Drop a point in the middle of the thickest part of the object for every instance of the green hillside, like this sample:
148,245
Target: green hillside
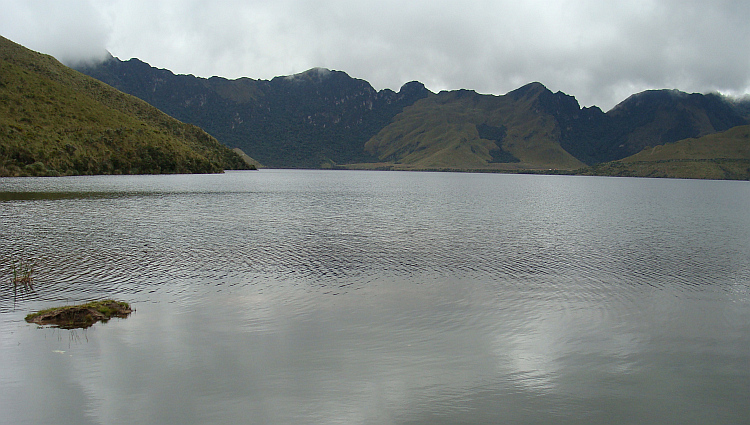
57,121
315,119
724,155
466,130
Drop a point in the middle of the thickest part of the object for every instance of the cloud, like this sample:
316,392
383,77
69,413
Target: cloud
600,52
71,31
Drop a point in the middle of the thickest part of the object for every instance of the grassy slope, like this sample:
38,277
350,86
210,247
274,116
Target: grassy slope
723,155
441,132
56,121
318,118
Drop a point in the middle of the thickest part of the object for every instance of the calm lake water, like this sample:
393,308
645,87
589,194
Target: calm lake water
343,297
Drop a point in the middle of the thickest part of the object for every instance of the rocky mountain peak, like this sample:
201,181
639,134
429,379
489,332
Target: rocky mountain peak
529,90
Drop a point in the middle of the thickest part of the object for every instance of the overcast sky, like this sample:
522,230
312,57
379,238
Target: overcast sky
598,51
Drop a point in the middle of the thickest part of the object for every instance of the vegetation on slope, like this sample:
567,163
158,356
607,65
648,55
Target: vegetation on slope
649,118
466,130
323,118
318,118
56,121
532,128
724,155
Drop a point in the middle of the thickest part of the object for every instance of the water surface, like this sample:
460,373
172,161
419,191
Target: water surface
330,297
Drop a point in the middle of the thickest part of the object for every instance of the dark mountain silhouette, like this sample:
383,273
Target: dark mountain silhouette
313,119
650,118
322,118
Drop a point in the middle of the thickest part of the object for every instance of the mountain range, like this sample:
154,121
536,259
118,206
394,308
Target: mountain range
310,120
56,121
322,118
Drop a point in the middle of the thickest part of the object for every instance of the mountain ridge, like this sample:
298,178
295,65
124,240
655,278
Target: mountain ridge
455,129
311,119
322,118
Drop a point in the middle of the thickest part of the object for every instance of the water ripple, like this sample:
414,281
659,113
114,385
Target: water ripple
149,241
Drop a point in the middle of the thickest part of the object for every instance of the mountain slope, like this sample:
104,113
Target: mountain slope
534,128
650,118
56,121
308,120
724,155
463,129
323,118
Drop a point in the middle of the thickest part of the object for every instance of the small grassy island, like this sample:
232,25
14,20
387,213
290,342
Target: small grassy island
80,316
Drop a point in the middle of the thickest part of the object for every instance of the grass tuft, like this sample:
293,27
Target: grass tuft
22,279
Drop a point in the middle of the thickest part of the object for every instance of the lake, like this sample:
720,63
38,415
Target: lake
364,297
